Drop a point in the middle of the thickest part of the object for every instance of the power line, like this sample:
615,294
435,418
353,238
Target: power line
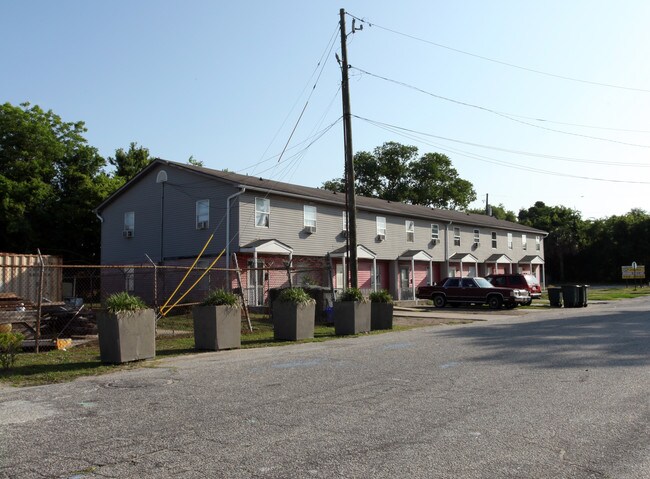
498,113
500,62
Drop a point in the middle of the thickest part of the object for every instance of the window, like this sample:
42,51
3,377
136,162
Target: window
381,226
410,230
202,214
538,243
344,219
129,280
262,212
494,240
435,232
477,236
509,240
129,224
309,216
524,243
456,236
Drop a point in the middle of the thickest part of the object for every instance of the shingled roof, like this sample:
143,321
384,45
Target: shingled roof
325,196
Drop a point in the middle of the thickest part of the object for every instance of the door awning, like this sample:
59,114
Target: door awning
463,258
269,246
532,259
362,253
498,258
416,255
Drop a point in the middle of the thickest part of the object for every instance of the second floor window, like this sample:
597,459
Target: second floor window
202,214
477,236
344,218
381,225
262,212
410,230
494,239
538,243
509,240
435,232
129,224
456,236
309,216
524,242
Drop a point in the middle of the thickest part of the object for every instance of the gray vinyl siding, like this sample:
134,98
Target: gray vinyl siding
181,239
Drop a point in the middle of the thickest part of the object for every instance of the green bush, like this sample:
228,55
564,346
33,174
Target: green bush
10,345
351,294
381,296
220,297
295,295
124,301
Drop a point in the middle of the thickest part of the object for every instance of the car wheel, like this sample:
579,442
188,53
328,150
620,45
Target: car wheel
495,302
439,301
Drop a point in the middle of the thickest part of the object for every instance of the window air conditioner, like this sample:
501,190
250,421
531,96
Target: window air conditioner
434,241
310,229
127,233
344,233
381,237
201,225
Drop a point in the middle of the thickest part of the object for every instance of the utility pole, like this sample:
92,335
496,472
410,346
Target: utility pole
349,162
487,205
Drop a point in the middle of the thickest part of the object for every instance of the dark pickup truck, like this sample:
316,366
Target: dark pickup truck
472,290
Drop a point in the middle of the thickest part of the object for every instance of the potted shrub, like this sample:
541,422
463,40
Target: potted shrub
293,315
351,313
217,322
127,329
381,310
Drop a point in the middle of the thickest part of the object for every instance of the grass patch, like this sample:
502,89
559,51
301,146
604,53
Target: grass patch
612,294
62,366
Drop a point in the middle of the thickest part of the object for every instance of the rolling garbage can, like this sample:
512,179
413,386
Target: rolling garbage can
570,295
555,296
583,293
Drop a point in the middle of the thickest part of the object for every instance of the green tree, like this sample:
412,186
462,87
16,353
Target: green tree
499,212
193,161
128,163
394,172
50,181
566,235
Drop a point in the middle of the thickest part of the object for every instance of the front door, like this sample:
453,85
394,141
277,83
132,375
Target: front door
405,283
256,283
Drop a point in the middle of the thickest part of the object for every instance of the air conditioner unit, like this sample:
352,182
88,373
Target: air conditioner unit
434,241
381,237
310,229
477,244
344,233
201,225
127,233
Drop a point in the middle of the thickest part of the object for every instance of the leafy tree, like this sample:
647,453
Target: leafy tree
193,161
129,163
499,212
394,172
566,234
50,181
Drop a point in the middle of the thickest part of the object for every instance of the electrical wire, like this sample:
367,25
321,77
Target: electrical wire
499,62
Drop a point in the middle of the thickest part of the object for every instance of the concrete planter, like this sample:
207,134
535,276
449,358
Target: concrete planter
217,327
381,316
126,336
292,322
351,317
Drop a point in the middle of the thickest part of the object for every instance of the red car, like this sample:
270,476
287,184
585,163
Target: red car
456,291
517,281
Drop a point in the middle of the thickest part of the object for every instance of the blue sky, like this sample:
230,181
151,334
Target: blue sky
226,82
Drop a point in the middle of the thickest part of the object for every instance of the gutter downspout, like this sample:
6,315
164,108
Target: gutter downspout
447,247
242,190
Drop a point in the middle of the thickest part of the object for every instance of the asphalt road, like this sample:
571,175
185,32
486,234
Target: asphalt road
550,394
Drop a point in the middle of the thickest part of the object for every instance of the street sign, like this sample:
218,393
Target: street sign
635,271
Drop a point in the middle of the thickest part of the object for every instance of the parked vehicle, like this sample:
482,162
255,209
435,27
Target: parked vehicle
457,291
517,281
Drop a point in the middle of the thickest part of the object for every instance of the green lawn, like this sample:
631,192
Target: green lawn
60,366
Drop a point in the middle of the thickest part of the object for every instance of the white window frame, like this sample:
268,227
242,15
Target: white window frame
381,225
538,243
202,213
309,214
435,231
456,236
344,219
509,240
494,240
129,222
477,236
409,226
524,242
263,212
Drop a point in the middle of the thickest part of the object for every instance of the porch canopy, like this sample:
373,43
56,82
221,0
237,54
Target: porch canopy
362,253
267,246
464,258
414,255
497,259
532,259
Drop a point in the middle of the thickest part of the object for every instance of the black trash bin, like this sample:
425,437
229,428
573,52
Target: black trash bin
583,295
555,296
571,295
